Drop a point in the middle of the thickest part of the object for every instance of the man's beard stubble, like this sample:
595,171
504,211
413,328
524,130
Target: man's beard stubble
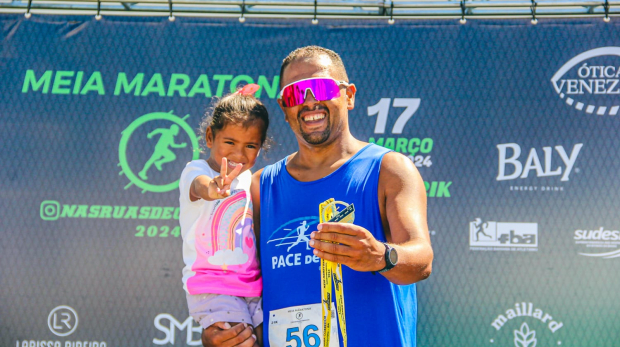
314,138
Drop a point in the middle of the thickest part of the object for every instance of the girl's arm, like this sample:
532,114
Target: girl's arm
207,188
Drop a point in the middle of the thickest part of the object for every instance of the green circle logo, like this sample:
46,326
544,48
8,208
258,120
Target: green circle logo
162,153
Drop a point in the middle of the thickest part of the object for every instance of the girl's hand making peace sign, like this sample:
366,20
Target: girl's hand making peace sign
218,187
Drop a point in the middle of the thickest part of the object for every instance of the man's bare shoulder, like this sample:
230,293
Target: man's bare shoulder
256,176
255,187
395,167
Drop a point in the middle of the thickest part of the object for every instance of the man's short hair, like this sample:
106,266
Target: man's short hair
310,52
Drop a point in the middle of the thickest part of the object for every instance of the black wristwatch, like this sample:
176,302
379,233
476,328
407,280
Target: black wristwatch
391,258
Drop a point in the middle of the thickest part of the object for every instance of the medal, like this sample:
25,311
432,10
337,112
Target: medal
328,212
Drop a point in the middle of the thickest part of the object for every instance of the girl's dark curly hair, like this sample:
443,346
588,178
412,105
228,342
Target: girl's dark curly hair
236,109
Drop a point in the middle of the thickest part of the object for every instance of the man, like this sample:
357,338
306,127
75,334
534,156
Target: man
389,233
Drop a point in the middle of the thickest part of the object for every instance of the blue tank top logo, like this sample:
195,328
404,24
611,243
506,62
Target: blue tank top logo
293,235
296,234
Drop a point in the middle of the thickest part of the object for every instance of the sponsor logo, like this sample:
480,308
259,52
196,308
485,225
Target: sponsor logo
168,324
62,321
598,243
589,81
52,210
498,236
522,320
169,136
554,162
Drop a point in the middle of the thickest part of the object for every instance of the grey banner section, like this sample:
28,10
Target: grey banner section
512,126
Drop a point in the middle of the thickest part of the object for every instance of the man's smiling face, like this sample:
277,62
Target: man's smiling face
317,122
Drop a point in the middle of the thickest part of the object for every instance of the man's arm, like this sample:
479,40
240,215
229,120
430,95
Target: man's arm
402,203
255,192
404,219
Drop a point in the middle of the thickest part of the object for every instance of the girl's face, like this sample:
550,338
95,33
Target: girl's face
239,144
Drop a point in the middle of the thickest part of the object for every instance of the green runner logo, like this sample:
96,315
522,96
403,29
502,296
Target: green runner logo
163,150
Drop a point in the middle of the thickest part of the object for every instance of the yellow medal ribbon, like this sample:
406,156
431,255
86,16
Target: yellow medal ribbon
328,212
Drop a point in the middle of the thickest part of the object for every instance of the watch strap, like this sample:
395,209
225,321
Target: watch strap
388,263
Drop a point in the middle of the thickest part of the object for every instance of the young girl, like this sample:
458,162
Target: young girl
221,275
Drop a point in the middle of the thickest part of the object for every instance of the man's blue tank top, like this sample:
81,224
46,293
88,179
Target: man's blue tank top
378,312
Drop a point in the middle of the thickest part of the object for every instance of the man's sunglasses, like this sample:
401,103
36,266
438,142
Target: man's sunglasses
323,89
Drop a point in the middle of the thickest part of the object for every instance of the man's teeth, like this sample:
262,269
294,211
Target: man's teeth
314,117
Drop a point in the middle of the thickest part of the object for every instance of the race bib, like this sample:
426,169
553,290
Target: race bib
300,326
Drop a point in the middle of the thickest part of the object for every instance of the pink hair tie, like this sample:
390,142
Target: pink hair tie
249,89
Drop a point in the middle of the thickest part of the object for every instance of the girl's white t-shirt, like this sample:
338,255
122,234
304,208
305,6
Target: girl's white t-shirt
219,245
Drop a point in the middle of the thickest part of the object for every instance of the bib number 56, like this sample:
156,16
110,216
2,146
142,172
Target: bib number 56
308,335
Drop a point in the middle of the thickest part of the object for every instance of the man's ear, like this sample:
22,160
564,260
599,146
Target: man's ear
350,91
209,137
282,108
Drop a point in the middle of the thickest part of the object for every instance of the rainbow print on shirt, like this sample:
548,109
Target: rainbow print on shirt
221,236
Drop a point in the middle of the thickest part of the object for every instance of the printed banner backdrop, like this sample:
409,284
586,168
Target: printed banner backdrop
514,128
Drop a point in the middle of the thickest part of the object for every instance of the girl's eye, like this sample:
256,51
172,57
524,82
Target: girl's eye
251,146
229,142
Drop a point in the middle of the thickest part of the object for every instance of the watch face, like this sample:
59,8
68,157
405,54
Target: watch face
393,256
